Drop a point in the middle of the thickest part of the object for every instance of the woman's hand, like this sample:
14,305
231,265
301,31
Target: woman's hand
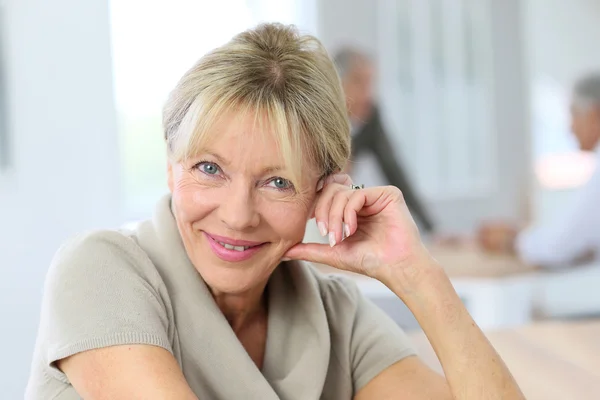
370,231
383,242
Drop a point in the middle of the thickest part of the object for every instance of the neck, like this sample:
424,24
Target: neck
242,309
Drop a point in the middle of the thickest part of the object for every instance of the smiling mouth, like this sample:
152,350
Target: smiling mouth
236,248
240,246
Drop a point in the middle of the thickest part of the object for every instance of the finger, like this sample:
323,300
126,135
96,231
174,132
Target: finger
377,198
324,205
313,252
355,203
336,216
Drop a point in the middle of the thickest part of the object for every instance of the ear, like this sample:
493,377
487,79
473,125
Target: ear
319,188
170,177
320,184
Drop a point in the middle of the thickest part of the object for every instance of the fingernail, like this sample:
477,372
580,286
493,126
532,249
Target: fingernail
347,230
322,228
331,239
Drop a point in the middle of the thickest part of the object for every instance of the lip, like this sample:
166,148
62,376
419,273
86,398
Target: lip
233,242
232,255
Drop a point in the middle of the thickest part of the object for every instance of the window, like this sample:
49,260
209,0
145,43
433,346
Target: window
154,43
436,75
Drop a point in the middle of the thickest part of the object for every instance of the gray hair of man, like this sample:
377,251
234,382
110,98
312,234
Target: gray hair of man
347,58
586,92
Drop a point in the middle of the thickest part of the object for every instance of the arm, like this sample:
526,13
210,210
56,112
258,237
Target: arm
105,322
384,244
568,238
407,379
383,149
126,372
383,361
472,367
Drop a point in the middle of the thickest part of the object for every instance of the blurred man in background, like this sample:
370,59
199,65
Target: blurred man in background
575,233
368,134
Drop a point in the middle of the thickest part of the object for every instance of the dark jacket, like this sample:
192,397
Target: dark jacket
372,138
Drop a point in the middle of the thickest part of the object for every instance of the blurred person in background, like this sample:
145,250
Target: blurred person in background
212,299
369,137
574,235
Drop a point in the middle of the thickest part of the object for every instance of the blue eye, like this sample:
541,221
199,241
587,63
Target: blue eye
281,183
208,167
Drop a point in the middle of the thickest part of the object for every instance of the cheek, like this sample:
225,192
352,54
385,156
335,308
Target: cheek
191,200
288,221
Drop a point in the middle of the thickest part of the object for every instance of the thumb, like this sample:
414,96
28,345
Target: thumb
312,252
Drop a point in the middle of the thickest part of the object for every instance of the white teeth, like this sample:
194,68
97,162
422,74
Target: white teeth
231,247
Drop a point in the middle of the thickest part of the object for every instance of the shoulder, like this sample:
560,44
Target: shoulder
337,291
366,340
98,241
101,290
375,118
100,254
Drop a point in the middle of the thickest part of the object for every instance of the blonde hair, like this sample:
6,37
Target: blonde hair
288,80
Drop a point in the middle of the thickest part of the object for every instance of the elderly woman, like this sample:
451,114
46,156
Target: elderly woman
210,300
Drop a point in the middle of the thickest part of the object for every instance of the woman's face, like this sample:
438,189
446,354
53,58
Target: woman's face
236,208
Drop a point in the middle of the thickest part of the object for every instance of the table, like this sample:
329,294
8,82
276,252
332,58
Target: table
498,290
468,261
550,360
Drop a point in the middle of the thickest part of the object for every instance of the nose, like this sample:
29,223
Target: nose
238,210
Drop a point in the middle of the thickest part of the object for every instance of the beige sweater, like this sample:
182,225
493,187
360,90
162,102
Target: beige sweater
324,341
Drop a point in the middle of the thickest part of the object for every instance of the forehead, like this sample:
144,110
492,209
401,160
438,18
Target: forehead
252,143
232,129
242,138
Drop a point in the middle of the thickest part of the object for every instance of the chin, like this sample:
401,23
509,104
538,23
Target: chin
233,280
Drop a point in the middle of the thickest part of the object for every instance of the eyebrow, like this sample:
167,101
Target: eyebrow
224,161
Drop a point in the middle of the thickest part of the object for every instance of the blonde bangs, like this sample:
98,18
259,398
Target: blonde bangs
193,133
270,117
287,82
287,133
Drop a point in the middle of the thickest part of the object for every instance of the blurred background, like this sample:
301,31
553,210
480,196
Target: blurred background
474,94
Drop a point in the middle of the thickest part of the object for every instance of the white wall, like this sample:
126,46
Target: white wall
64,176
562,38
354,22
347,23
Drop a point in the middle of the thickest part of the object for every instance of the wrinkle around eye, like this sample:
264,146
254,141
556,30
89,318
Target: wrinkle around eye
199,167
290,186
